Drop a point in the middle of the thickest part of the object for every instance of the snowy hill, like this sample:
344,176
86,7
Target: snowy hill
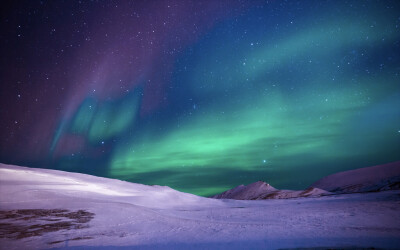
261,190
82,185
42,209
369,179
249,192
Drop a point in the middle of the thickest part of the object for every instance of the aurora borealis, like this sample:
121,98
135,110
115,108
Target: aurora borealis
201,95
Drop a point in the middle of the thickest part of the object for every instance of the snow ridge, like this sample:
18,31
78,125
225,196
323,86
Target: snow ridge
249,192
261,190
362,180
369,179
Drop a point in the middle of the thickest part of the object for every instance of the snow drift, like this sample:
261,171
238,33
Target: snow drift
369,179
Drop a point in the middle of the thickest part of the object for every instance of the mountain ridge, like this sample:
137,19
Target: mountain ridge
368,179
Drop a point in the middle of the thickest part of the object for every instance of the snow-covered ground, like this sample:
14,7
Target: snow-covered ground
53,209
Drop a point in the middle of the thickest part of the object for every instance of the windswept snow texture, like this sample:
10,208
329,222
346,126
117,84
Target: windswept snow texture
261,190
369,179
102,213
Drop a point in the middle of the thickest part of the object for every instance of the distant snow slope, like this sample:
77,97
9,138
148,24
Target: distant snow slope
42,209
261,190
249,192
369,179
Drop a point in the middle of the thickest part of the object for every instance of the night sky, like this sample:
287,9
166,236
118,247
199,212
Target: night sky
200,95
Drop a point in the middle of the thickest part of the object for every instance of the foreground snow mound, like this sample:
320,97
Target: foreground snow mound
261,190
369,179
54,183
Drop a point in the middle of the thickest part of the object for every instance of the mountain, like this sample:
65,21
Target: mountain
261,190
368,179
249,192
